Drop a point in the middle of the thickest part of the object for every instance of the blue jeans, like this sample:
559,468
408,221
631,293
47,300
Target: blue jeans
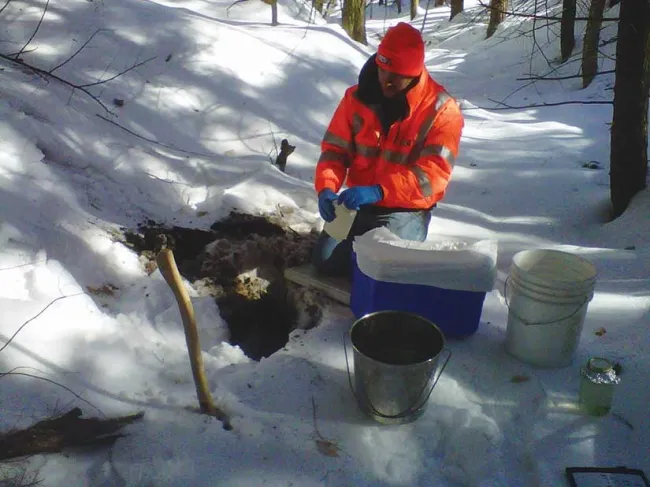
333,258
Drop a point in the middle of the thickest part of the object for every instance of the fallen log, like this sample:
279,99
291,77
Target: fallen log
54,434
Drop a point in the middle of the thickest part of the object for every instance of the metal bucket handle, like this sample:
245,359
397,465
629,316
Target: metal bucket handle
410,409
505,297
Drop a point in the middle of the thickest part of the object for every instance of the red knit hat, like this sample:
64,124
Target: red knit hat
401,51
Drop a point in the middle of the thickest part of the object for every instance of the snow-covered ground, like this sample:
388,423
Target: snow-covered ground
192,139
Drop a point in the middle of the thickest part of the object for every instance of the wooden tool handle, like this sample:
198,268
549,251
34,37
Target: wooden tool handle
168,269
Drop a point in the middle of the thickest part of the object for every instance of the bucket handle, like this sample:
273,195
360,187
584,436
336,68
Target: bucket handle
505,297
410,409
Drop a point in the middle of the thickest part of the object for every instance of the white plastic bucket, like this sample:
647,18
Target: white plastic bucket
548,292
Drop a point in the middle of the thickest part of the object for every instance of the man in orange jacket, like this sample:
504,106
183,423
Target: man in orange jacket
393,140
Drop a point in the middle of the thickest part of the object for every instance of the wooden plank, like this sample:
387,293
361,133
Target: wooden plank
336,288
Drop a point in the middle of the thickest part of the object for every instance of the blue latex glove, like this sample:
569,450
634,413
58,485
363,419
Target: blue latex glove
326,204
355,197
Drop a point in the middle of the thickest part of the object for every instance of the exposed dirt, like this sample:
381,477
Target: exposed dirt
241,261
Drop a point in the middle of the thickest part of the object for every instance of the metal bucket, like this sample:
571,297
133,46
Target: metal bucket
395,357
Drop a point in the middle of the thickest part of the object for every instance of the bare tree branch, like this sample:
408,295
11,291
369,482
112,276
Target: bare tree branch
574,58
153,141
77,51
5,6
50,381
541,105
15,58
519,33
543,17
233,4
117,75
275,145
44,73
560,78
26,51
536,43
36,316
577,57
311,15
38,26
22,265
530,32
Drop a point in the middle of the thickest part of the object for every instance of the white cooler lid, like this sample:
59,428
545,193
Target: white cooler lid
443,263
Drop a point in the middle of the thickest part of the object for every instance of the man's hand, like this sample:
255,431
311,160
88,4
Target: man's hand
355,197
326,204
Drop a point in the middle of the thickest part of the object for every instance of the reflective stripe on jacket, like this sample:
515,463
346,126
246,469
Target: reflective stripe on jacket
412,162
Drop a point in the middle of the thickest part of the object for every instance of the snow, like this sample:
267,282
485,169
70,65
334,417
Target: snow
198,127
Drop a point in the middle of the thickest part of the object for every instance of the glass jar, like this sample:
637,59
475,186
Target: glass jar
597,382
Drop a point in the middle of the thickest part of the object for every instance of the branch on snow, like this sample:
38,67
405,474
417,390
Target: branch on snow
24,374
57,433
46,74
5,6
101,82
36,316
83,88
77,51
16,59
38,26
50,381
153,141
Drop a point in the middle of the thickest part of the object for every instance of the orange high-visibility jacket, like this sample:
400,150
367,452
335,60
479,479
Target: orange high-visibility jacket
412,162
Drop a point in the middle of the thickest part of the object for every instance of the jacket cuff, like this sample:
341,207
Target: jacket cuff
382,191
326,185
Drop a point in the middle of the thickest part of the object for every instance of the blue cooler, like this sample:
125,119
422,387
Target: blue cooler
447,287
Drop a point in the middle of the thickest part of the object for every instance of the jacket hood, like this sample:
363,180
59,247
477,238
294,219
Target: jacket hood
369,90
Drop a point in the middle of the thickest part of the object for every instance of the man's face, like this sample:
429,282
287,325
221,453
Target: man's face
391,83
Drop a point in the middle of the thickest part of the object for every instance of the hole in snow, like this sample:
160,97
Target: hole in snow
241,261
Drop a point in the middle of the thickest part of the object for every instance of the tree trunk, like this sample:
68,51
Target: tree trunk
629,138
457,7
319,5
497,14
414,8
591,41
354,19
567,30
330,5
439,3
274,12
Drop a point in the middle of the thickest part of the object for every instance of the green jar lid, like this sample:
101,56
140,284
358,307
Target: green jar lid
599,365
